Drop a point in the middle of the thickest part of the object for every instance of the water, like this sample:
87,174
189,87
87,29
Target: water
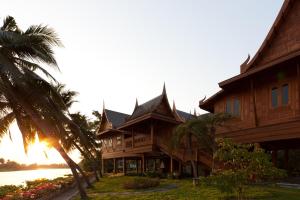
19,177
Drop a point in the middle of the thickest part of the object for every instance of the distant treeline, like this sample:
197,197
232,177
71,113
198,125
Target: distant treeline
14,166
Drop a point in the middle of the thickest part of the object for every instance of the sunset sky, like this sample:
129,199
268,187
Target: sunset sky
120,50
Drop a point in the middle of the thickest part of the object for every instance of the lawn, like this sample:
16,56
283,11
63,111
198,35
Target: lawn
111,188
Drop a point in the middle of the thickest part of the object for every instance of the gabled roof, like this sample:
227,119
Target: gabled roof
151,106
273,33
265,58
146,107
184,115
115,118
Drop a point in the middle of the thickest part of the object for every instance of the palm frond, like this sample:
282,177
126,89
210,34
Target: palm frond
45,33
5,123
9,24
33,66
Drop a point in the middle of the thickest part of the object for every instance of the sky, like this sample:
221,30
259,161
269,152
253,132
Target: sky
119,50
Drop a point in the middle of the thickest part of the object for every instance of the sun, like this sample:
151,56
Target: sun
40,152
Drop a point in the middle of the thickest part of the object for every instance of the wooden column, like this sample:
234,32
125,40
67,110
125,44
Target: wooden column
132,138
171,164
274,157
180,168
152,133
254,103
115,171
298,77
137,166
143,164
102,166
286,158
124,165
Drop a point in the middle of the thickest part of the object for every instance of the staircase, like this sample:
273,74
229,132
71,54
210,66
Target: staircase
182,155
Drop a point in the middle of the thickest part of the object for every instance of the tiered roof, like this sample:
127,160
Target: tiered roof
158,108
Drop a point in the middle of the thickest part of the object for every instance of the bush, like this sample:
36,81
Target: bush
241,164
141,183
5,189
153,174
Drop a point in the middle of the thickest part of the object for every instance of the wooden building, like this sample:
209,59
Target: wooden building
265,97
142,140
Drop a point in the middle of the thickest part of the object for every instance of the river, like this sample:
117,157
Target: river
19,177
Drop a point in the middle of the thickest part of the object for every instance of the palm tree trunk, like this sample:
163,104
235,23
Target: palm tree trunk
214,148
87,157
189,145
70,163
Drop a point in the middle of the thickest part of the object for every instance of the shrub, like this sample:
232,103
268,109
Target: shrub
141,183
242,164
5,189
153,174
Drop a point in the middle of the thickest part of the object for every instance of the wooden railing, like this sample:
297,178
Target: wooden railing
137,140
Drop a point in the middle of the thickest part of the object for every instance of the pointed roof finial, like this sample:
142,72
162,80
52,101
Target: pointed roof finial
195,114
103,105
174,107
164,89
136,103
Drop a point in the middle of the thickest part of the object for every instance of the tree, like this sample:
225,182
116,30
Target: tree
241,164
72,141
199,133
28,98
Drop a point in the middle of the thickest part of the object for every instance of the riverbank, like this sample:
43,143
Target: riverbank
13,166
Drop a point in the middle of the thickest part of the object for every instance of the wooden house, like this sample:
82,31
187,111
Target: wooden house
140,142
265,97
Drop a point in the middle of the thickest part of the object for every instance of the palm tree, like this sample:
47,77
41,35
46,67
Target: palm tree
199,133
72,141
28,98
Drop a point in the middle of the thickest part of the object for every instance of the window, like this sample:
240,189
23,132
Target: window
228,106
119,140
236,107
274,97
285,94
109,142
233,107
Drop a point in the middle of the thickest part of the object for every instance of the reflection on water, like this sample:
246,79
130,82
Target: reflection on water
19,177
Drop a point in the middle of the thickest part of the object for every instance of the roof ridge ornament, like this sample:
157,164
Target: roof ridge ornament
136,103
174,107
202,100
244,66
164,89
103,105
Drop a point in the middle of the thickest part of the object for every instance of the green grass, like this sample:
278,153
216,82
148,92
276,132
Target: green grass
184,191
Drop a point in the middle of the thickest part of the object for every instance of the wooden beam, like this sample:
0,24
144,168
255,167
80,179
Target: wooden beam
254,103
